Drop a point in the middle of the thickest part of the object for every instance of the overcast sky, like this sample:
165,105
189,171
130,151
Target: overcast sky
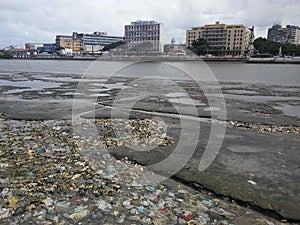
24,21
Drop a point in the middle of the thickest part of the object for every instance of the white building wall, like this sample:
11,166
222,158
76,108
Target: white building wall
145,31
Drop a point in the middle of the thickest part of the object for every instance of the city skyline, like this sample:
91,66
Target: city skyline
40,21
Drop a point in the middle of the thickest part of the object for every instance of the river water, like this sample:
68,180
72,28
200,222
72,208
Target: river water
281,74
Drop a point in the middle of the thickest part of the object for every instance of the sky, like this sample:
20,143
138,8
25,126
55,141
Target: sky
25,21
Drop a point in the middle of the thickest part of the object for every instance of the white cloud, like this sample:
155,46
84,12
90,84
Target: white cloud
39,21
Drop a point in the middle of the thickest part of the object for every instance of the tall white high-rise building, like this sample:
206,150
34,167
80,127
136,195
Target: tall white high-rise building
145,31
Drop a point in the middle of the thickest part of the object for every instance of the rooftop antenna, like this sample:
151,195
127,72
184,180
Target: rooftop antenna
173,41
278,22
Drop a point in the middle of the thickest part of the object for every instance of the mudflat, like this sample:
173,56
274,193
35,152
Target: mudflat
257,163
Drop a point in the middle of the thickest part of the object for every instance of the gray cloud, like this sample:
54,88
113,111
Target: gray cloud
39,21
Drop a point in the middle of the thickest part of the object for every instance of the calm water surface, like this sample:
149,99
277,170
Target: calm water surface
282,74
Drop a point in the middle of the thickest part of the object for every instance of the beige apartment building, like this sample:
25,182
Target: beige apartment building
222,39
68,42
77,45
64,41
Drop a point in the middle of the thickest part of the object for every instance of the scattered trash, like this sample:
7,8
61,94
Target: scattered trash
264,128
2,115
149,188
50,176
189,217
141,209
39,150
251,182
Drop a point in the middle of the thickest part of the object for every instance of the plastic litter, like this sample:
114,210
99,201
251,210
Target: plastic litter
251,182
53,176
149,188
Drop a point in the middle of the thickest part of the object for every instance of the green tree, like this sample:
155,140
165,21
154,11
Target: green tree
5,55
142,48
264,46
168,48
199,46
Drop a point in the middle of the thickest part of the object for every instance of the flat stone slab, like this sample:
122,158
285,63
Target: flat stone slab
262,169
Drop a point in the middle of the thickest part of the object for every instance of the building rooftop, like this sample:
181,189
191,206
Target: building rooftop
144,22
219,25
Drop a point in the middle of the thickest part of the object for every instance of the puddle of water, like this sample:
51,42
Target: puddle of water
182,98
260,97
176,95
72,93
117,85
212,109
186,101
289,110
287,89
67,79
14,91
242,149
34,85
99,90
46,93
241,92
99,95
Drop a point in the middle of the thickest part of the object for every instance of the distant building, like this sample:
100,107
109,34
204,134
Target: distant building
222,39
100,38
85,42
33,46
277,33
40,48
145,31
293,34
174,49
16,52
96,41
49,48
289,34
76,45
64,42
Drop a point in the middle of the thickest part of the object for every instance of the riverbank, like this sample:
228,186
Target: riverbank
166,58
274,60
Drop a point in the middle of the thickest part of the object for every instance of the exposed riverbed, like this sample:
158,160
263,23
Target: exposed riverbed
258,161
